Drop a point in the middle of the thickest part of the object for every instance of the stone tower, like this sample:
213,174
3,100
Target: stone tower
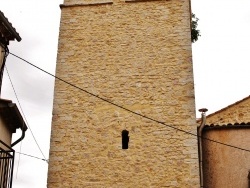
137,54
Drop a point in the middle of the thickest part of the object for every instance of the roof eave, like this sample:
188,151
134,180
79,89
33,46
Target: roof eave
9,27
10,109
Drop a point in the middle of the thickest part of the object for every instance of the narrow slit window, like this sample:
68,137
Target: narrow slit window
125,139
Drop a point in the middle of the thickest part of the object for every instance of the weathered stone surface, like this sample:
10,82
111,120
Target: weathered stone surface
137,55
235,113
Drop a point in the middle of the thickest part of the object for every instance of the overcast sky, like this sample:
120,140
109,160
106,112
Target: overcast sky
37,22
221,61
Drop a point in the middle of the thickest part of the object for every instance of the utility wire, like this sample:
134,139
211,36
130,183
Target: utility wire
20,149
19,158
128,110
31,156
24,114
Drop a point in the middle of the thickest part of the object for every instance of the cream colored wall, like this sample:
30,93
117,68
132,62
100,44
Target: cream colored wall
226,167
5,134
137,55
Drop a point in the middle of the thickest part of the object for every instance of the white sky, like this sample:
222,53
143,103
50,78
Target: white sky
221,61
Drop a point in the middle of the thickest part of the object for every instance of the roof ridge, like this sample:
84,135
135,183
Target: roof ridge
222,109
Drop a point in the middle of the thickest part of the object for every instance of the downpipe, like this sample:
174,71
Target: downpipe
200,129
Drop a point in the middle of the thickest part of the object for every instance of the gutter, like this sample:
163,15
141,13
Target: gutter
23,127
20,139
200,129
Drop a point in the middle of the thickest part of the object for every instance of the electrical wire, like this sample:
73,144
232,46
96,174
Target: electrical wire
128,110
24,114
31,156
19,158
20,149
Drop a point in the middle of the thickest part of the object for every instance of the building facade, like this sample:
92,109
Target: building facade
10,117
10,120
7,33
136,54
228,164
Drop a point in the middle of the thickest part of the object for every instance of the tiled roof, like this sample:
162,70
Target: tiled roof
226,126
248,97
223,109
4,22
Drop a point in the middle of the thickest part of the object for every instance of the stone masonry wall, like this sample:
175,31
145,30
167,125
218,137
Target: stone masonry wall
235,113
138,55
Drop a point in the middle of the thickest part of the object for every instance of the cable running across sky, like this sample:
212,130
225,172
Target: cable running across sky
128,110
12,85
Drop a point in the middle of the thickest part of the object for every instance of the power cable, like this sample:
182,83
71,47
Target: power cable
24,114
32,156
19,158
20,149
128,110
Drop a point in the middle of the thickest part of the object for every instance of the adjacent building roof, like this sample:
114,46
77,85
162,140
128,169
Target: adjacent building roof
7,31
226,126
234,114
11,115
229,106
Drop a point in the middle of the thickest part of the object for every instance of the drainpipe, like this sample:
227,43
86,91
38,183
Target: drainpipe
20,139
23,127
200,129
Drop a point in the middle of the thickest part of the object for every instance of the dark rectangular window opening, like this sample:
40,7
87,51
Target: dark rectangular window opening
125,139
